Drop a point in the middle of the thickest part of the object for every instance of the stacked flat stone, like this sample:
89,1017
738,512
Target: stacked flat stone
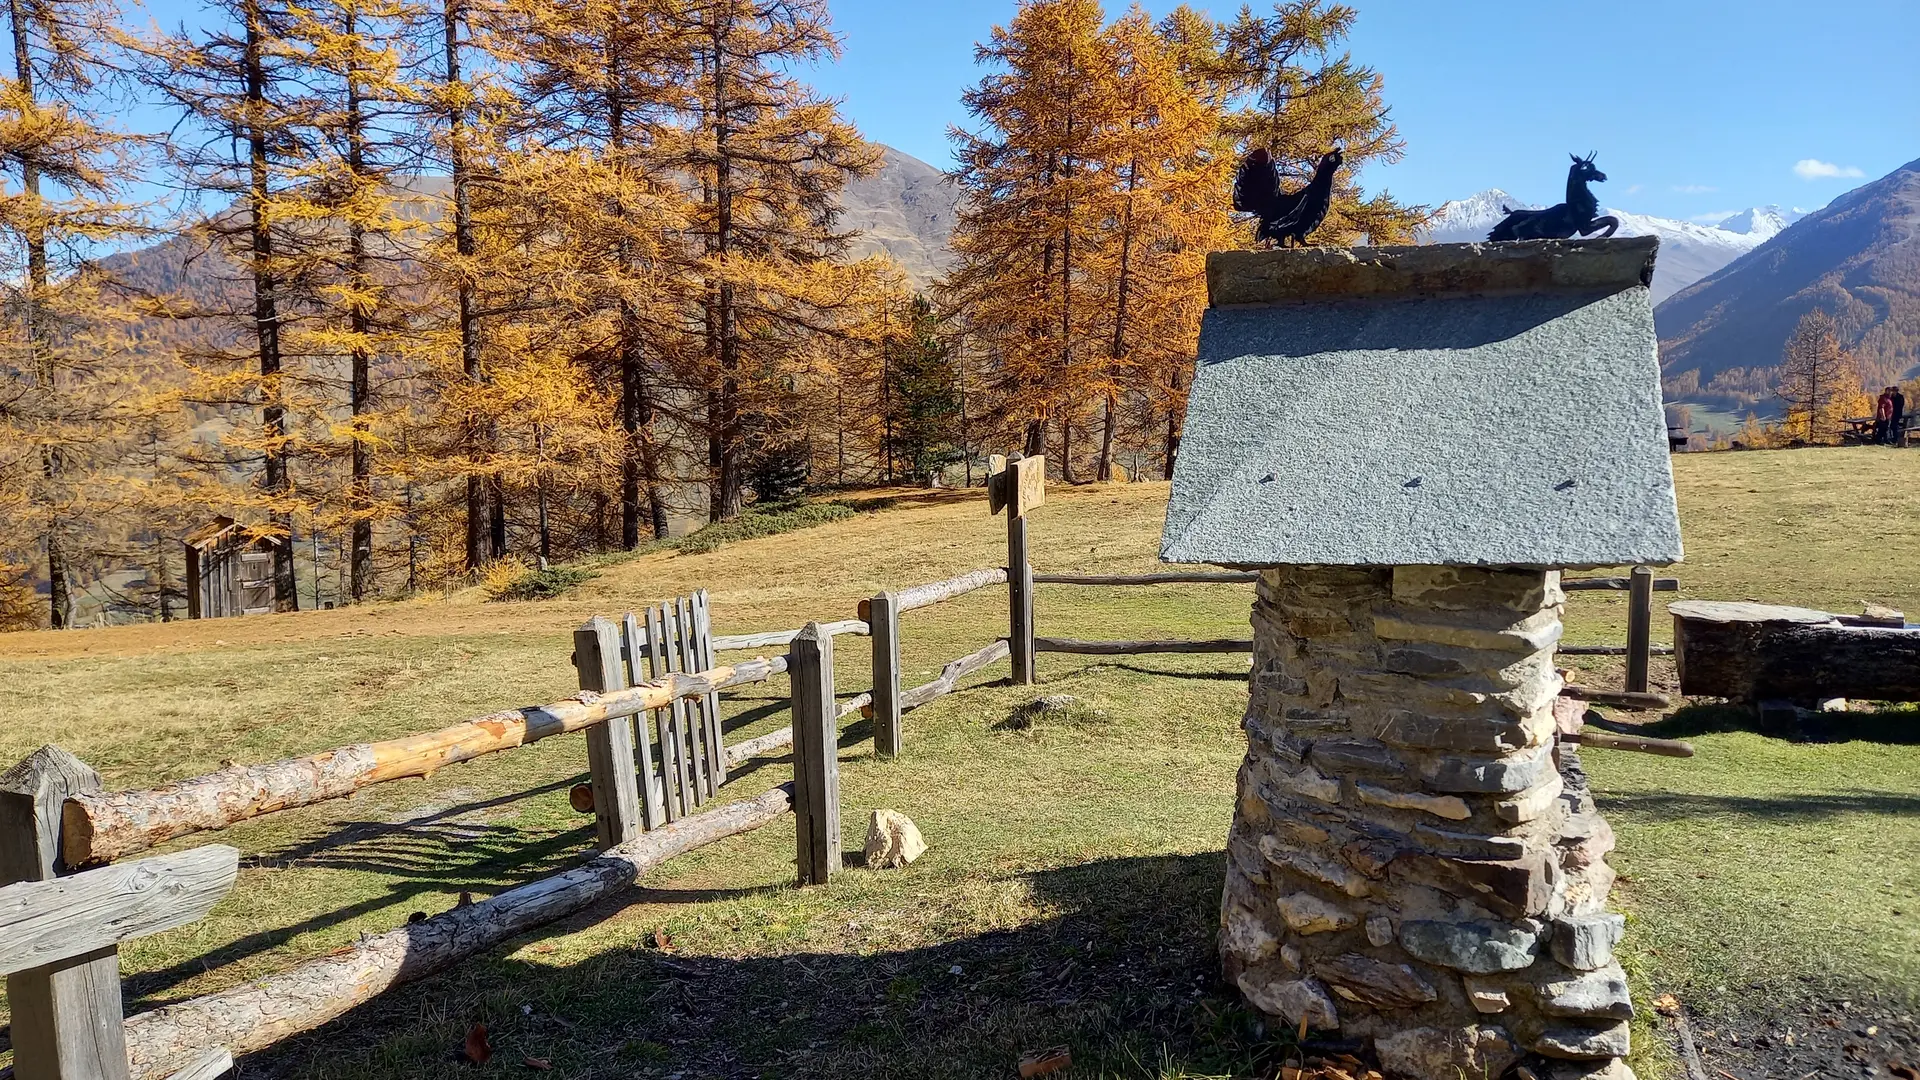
1412,860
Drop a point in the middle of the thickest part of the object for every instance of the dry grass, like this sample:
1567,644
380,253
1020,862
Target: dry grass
1075,863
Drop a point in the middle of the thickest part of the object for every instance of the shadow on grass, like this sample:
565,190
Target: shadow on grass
1124,976
1897,725
1773,807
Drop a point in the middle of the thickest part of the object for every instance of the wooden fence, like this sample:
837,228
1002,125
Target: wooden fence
649,793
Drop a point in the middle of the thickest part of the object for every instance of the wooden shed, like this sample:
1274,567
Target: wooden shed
229,570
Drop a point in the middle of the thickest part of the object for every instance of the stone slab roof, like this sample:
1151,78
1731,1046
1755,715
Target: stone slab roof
1457,404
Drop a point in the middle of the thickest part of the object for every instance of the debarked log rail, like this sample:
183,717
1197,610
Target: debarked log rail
104,826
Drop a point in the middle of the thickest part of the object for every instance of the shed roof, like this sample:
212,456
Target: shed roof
1458,404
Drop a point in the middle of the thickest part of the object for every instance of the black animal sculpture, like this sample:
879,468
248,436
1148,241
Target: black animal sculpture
1575,217
1284,215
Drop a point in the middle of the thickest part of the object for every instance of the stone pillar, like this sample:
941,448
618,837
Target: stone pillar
1412,862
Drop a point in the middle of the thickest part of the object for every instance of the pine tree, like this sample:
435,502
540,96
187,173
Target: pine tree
64,410
923,423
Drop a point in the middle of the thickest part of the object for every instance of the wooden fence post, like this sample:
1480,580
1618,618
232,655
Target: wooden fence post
1018,484
883,621
610,760
1639,627
67,1017
816,756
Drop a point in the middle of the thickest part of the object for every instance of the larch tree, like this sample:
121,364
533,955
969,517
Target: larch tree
69,393
1290,93
767,157
1030,205
1818,381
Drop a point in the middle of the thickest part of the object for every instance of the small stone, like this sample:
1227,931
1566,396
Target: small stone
1487,997
1308,783
1531,803
1479,947
1611,1069
1290,956
1598,994
1538,631
1292,1000
1441,1054
1586,942
1512,887
1306,913
1585,1044
1451,807
892,840
1348,756
1586,839
1379,930
1476,845
1373,983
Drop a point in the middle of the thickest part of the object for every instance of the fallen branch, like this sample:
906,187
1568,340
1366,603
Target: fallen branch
112,825
1120,648
258,1014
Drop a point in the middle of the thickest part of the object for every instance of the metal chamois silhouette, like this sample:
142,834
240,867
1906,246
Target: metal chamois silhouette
1284,215
1575,217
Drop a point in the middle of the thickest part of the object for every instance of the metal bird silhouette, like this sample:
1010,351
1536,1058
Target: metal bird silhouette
1284,215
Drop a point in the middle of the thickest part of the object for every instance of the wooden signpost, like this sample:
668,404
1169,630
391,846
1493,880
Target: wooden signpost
1018,484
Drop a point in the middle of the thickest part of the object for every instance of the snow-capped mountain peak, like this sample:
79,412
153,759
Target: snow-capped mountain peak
1689,251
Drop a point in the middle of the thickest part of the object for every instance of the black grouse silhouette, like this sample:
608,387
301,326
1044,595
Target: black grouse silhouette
1284,215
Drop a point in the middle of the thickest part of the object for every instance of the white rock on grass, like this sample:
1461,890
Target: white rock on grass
892,840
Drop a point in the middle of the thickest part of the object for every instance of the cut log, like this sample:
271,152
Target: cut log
1123,648
1170,577
111,825
260,1013
45,922
1750,652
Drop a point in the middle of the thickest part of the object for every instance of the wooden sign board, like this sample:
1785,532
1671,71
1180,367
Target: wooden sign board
1022,482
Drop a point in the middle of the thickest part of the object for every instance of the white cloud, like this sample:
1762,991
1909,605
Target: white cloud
1694,189
1815,169
1714,218
1636,189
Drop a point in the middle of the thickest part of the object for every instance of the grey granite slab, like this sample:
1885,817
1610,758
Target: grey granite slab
1466,429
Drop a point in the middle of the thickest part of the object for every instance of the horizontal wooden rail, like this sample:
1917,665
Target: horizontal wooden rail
112,825
260,1013
1119,648
729,642
950,676
1608,650
1170,577
783,738
1617,584
934,592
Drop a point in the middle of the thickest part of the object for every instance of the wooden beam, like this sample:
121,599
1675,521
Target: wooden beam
816,757
259,1013
730,642
1640,700
46,922
104,826
1607,740
1639,628
1118,648
602,667
1172,577
1609,650
883,616
934,592
66,1015
951,675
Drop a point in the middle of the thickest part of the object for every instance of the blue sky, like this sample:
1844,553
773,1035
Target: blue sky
1696,107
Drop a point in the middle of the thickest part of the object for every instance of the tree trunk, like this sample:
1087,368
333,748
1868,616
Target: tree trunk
266,314
1173,423
360,488
540,493
496,516
729,487
1105,472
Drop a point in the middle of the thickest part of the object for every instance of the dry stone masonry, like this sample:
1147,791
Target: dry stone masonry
1413,859
1410,443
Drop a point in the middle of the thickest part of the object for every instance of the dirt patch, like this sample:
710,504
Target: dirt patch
1836,1034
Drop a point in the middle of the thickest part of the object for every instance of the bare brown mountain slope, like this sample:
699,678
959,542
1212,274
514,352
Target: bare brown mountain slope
1858,259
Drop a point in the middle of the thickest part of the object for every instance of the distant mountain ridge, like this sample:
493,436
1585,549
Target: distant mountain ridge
1689,250
1858,259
